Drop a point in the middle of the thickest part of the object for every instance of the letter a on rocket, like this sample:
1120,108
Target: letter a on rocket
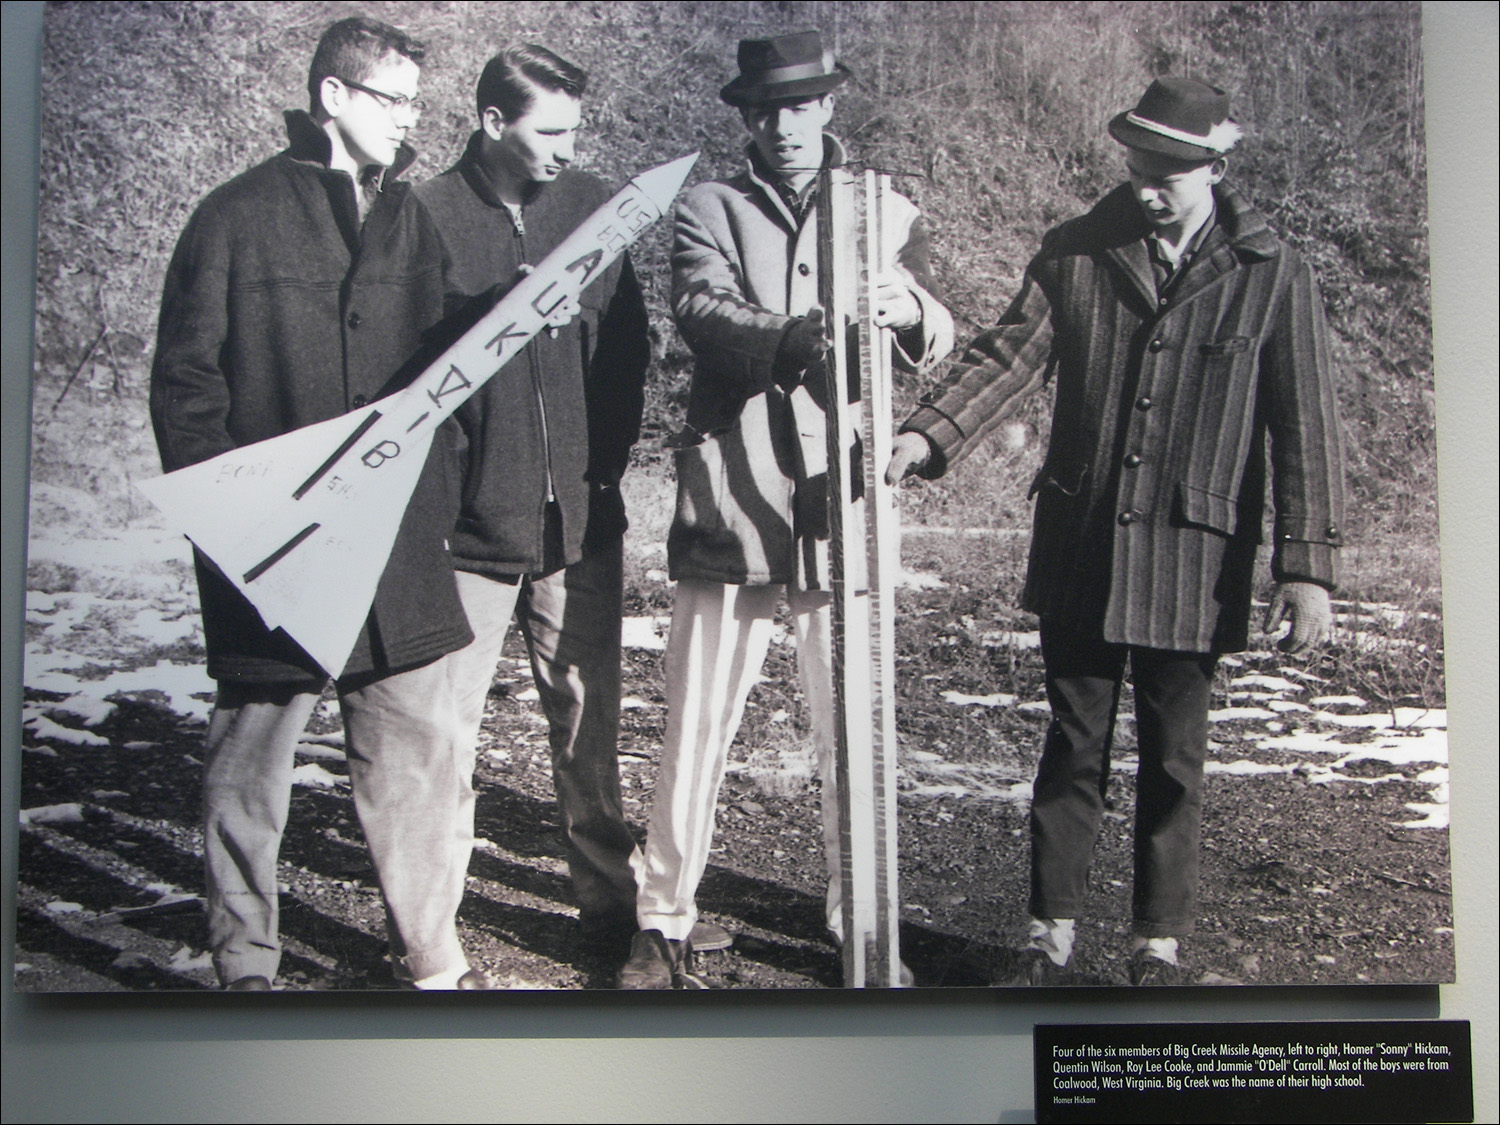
303,524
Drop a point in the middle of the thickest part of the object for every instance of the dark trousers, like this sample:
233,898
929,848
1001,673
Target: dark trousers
1084,674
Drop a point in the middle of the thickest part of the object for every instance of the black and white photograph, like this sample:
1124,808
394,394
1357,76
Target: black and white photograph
732,496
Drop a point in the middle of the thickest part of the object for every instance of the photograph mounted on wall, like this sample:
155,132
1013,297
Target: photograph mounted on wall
560,496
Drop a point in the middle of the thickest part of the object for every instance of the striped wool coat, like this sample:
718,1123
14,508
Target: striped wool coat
1150,501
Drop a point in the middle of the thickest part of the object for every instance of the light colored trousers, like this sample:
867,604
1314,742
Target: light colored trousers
404,766
718,643
571,622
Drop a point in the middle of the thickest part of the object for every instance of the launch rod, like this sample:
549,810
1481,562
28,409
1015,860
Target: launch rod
850,239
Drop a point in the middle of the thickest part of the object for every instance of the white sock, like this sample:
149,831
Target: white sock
1054,937
441,982
1162,948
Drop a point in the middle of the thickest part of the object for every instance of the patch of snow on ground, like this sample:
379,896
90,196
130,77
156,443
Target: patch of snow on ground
1035,707
917,580
43,727
1402,718
1225,714
88,709
999,699
1244,768
1433,816
1303,742
1327,775
1269,683
1300,674
1338,701
645,632
315,776
1012,640
316,748
70,812
1429,746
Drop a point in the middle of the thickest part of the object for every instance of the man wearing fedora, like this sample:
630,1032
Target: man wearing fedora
1182,334
751,513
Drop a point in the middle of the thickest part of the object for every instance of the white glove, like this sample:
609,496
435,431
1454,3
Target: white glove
910,451
1306,604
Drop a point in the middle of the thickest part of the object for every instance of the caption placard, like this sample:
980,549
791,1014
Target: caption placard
1356,1071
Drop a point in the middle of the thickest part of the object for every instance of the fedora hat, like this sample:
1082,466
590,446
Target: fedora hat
1179,117
781,67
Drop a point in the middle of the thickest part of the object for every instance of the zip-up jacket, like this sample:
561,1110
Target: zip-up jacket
557,423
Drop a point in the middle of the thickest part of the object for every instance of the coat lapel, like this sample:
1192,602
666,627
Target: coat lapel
1133,260
1213,261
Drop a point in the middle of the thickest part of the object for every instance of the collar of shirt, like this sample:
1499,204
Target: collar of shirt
1165,270
1160,253
796,202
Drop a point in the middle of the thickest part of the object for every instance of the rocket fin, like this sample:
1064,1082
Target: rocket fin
312,566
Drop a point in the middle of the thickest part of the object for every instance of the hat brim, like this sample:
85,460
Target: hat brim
741,93
1131,135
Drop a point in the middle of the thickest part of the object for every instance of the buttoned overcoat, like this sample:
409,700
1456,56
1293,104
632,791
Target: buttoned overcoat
744,267
280,310
1149,504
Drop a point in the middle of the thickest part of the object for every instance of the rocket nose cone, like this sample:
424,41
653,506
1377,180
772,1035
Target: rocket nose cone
662,183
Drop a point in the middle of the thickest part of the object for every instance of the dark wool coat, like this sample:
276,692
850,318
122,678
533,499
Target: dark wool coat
560,418
1150,502
280,311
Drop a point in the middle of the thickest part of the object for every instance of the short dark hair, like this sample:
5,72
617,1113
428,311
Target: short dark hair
352,48
510,79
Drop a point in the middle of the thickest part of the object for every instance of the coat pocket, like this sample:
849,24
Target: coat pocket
1198,507
1230,345
1064,480
1221,355
735,489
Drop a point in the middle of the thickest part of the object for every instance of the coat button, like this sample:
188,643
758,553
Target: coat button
1126,518
358,401
1143,403
354,320
1161,302
1333,532
1132,461
1155,346
804,269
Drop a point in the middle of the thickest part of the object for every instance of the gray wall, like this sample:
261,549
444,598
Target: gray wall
782,1057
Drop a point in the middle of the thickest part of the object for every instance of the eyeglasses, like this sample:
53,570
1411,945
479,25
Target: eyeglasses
394,103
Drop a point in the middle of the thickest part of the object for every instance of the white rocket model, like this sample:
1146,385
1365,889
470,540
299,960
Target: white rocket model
303,524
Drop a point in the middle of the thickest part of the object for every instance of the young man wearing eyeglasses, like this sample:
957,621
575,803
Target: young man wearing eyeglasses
539,535
301,290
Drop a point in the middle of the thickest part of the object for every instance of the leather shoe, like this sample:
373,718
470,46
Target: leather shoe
248,984
1035,969
475,981
1147,971
657,962
710,937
